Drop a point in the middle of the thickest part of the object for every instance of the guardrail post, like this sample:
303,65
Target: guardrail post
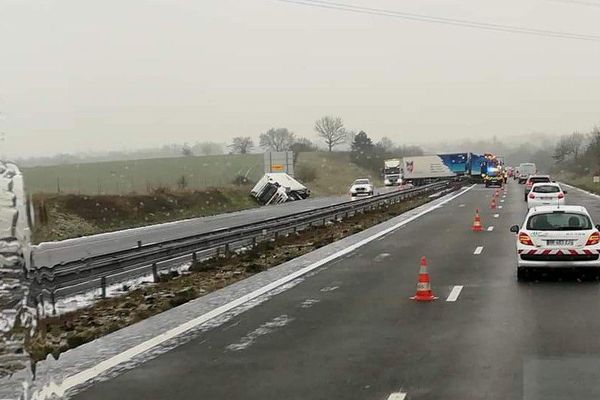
53,300
194,258
103,286
227,250
139,243
254,242
155,276
276,235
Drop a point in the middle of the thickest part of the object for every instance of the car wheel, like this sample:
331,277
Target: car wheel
522,274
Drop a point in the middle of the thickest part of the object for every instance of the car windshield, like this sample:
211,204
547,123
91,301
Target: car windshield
559,221
537,179
361,182
546,189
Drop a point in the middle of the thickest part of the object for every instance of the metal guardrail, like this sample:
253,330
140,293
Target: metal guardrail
98,272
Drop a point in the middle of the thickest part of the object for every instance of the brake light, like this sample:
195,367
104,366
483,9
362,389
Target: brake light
593,239
531,196
561,195
525,239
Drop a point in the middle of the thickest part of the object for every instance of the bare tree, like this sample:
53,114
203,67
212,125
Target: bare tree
187,151
241,144
576,140
277,139
386,144
331,130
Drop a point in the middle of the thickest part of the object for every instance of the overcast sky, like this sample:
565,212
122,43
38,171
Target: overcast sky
79,75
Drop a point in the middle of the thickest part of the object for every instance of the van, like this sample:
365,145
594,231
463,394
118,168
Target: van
526,169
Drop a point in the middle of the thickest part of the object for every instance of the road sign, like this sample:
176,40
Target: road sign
279,161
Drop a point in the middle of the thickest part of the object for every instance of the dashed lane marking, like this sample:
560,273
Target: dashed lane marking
496,215
490,228
454,293
478,250
500,207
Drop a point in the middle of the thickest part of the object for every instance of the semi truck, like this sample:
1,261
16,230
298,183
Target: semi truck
392,172
421,170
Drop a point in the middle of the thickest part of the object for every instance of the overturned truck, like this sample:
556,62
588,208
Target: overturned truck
275,188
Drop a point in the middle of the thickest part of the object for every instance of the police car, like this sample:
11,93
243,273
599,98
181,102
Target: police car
557,236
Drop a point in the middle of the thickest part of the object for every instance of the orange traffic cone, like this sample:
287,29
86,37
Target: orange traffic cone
477,222
493,203
424,292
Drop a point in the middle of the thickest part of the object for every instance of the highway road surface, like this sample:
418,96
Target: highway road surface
351,332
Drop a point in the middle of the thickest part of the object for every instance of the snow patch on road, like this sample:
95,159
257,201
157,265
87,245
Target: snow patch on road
329,288
308,303
381,257
264,329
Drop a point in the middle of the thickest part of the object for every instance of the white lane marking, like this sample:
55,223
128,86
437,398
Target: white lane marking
490,228
496,215
329,288
478,250
454,293
397,396
461,205
262,330
500,207
502,201
53,389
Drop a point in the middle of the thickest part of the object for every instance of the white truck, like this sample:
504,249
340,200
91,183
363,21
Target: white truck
392,172
278,188
421,170
524,170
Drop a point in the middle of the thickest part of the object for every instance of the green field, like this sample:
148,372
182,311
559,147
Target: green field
333,174
138,176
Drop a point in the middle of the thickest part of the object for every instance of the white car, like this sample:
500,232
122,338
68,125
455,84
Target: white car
361,186
546,194
557,236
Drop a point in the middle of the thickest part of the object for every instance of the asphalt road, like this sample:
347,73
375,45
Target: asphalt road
54,253
351,332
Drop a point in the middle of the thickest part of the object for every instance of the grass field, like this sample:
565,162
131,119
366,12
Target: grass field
333,174
137,176
79,209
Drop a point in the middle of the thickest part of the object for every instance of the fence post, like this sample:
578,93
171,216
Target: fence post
53,300
103,286
155,276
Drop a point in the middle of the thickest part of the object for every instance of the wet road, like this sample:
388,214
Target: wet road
350,331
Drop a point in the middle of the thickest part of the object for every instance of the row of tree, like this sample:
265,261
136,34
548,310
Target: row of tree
330,129
371,155
578,152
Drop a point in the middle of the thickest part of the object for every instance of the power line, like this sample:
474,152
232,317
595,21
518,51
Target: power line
441,20
579,2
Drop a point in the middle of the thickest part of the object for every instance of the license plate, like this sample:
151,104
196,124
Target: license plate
560,242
